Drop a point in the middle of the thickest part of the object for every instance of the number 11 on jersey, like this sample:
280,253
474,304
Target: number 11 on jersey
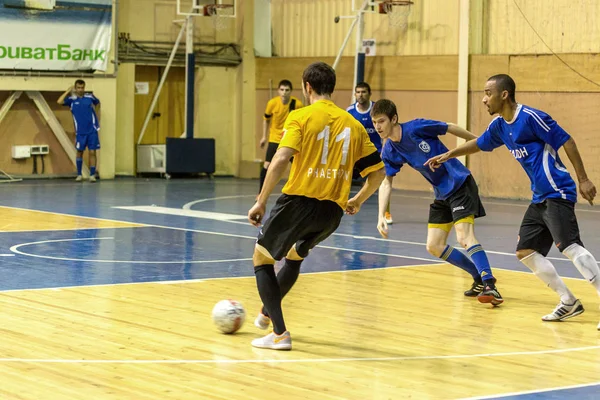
344,135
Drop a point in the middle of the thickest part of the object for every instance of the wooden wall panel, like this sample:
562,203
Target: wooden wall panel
24,125
152,20
563,26
391,73
142,102
498,27
532,73
482,67
170,104
430,28
548,73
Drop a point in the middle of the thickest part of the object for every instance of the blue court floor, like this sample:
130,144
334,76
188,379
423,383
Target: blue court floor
197,229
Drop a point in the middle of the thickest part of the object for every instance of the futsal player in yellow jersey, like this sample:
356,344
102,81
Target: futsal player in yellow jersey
326,143
278,109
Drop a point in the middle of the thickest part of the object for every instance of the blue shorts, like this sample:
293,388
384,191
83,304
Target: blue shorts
90,141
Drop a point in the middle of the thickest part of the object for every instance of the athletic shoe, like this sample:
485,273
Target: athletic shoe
92,178
388,218
79,178
274,342
490,295
262,321
564,311
476,288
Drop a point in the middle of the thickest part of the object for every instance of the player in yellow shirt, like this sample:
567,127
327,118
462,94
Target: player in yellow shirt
326,143
278,109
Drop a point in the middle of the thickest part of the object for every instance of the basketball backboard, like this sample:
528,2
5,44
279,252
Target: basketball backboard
207,8
372,5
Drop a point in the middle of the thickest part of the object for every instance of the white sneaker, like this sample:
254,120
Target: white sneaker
79,178
388,218
92,178
274,342
262,321
564,311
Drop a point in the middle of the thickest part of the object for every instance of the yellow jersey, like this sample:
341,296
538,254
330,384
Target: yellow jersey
329,142
277,112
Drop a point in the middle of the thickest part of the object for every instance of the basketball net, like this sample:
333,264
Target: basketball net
219,13
397,12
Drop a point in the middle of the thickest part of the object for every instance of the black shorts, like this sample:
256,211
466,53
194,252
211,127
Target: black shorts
551,221
298,220
271,150
462,203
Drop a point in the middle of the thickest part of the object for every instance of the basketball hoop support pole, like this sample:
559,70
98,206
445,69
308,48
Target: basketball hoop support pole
344,43
160,84
190,68
359,59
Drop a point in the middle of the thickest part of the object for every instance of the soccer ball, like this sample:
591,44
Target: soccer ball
228,316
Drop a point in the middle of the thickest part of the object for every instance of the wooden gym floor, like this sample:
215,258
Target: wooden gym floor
106,292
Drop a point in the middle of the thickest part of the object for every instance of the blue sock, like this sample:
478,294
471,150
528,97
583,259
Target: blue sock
79,163
480,260
455,257
92,171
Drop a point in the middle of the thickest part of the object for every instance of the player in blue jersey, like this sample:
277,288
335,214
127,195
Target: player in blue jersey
361,111
456,201
87,124
534,139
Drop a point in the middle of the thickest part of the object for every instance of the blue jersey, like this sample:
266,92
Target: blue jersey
84,115
365,119
418,144
534,138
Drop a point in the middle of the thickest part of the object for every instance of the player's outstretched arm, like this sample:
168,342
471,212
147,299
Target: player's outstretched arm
371,185
468,148
460,132
275,171
61,99
586,187
384,194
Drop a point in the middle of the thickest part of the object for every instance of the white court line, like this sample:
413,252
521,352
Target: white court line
139,225
298,360
7,255
15,249
184,213
231,218
201,280
189,205
502,253
133,225
216,216
496,396
496,203
73,215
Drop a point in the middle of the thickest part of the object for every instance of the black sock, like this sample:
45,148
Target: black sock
490,282
263,174
270,294
286,278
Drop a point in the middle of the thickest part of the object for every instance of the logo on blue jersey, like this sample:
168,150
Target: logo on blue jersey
424,146
519,153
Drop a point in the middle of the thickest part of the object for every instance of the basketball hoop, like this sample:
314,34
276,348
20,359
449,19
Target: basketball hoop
219,14
397,12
